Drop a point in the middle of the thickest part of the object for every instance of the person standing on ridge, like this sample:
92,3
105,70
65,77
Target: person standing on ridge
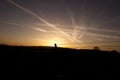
55,45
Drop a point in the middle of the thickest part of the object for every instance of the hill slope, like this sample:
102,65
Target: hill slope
58,61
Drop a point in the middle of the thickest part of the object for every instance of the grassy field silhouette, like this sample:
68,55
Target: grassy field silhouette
58,61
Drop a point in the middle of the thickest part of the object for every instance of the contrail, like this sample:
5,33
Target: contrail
73,23
104,30
41,30
47,25
16,24
76,28
71,17
102,35
82,33
22,26
44,21
11,23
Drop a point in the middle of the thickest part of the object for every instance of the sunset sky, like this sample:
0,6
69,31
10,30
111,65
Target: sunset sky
69,23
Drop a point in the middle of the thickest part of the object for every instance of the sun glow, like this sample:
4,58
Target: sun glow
56,40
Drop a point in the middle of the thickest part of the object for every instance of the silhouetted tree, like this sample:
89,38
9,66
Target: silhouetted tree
114,51
96,48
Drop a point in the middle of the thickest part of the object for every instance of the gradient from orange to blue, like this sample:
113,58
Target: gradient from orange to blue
69,23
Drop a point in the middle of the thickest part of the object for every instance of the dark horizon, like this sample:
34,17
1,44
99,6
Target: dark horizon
93,48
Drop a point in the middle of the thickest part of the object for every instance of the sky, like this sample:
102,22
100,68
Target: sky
68,23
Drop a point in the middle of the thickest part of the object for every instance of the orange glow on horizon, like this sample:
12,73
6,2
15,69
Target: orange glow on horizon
59,41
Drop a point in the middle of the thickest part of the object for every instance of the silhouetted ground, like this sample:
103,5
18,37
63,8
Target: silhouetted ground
61,63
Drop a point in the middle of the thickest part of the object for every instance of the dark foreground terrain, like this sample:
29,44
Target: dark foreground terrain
60,63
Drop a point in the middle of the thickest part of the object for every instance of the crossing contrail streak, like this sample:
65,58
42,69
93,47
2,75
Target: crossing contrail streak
76,27
82,33
44,21
73,23
71,17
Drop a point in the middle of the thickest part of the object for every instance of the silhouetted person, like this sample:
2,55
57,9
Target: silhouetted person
55,45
